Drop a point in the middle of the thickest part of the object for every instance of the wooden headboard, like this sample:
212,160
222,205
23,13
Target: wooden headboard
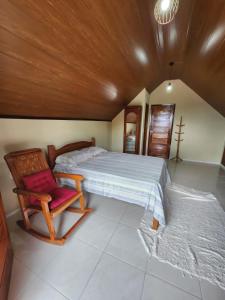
53,152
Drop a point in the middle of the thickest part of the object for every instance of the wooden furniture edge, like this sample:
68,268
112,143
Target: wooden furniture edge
6,255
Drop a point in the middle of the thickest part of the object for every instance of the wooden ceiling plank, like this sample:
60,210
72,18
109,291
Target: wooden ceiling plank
88,59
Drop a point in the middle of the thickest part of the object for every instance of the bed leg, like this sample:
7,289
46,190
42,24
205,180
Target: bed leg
155,224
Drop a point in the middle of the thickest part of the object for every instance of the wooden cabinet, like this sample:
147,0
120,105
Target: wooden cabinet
132,128
6,255
223,158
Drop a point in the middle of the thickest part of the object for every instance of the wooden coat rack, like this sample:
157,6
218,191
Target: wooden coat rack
179,133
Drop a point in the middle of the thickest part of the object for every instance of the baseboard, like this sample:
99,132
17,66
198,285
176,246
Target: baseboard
12,213
203,162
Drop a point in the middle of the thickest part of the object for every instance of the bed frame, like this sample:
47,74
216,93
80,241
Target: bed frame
53,153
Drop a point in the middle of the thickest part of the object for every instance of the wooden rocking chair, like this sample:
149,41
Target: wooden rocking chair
37,191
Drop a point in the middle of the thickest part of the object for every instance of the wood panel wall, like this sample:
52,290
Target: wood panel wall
89,59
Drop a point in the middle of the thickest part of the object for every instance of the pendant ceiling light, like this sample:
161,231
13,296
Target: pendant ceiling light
165,10
169,86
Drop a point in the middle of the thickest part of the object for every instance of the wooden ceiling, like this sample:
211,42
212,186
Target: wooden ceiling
87,59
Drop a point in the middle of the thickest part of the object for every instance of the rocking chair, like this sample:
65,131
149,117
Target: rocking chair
38,191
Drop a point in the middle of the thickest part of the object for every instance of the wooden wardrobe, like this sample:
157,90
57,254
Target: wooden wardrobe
6,255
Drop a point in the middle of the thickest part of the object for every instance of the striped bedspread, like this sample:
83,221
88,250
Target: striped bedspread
132,178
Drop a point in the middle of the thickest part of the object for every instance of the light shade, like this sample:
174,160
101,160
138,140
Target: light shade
165,10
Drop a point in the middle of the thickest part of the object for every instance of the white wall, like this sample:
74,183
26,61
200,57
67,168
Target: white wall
204,131
118,122
21,134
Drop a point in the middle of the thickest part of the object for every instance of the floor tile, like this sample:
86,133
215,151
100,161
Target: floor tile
132,215
71,269
35,254
96,230
174,276
19,279
127,246
11,221
17,235
107,207
211,292
25,285
193,175
114,280
155,289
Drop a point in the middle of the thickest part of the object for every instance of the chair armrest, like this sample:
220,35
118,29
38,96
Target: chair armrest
75,177
40,196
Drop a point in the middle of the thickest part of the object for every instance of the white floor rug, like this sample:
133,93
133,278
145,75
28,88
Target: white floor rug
194,238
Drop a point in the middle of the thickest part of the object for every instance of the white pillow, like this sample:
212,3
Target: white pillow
79,156
74,157
93,151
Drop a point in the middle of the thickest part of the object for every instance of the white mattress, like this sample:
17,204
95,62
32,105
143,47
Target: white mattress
133,178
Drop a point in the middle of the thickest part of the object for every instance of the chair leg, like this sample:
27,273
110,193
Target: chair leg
24,212
155,224
48,220
82,202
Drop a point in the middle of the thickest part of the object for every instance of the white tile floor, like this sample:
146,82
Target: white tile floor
105,258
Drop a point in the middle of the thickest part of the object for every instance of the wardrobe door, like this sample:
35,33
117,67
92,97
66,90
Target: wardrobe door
6,255
132,128
161,130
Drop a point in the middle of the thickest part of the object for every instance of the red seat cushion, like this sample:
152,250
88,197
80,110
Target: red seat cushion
44,182
61,195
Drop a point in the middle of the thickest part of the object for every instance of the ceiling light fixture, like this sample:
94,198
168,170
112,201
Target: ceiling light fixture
164,5
169,87
165,10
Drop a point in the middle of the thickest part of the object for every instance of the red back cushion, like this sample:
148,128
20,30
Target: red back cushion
44,182
41,182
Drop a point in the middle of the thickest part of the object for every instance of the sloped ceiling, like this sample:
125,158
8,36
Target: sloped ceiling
87,59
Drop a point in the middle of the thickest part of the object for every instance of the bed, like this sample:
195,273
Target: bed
132,178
